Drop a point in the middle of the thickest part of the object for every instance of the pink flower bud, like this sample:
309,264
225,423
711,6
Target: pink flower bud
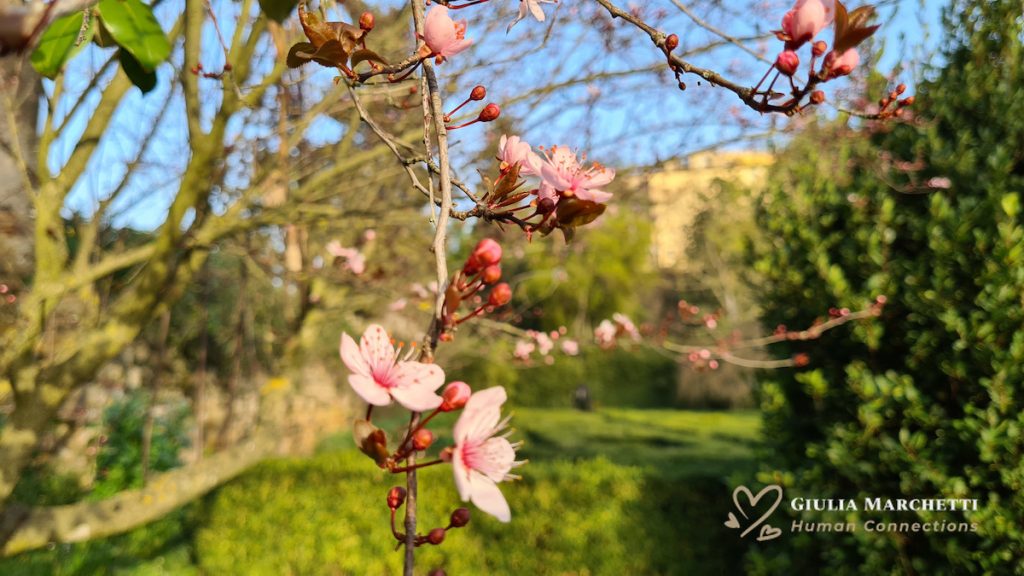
818,48
500,295
805,20
396,497
422,439
492,274
842,64
487,252
460,517
489,113
455,396
787,62
817,97
478,93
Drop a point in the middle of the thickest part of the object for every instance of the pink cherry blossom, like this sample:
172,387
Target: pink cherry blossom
523,349
806,19
544,343
533,7
483,456
842,64
378,377
626,325
513,150
605,333
354,259
443,36
562,173
570,347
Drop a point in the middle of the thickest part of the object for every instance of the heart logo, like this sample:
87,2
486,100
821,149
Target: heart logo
732,522
750,510
768,533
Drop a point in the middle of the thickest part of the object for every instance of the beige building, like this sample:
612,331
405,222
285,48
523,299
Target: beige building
679,194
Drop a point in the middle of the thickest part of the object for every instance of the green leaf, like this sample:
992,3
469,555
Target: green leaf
144,79
1011,204
56,44
278,10
135,29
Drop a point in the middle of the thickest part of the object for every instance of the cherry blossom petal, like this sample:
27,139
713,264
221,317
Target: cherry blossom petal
461,471
599,196
487,497
352,357
369,390
418,375
438,28
535,9
377,351
416,399
500,456
481,414
599,178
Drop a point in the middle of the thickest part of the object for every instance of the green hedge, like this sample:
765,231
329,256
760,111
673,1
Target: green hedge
327,516
635,378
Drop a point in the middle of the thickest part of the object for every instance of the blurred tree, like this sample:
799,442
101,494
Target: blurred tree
928,401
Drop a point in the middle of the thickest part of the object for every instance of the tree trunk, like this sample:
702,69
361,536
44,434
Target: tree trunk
23,529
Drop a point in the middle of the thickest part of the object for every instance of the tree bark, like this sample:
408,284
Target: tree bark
23,529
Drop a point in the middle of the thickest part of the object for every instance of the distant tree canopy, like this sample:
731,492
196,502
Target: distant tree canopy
927,401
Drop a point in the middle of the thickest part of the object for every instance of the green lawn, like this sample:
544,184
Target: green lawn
615,491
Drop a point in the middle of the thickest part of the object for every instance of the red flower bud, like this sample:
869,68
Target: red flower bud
901,89
492,274
818,48
460,517
545,206
787,62
455,396
801,359
908,101
817,97
487,252
436,536
366,21
396,497
490,112
478,93
500,295
672,42
472,265
422,439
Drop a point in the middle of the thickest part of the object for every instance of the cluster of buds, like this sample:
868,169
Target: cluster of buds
488,113
800,25
198,70
569,193
608,332
690,314
7,294
893,104
702,359
482,271
543,343
458,518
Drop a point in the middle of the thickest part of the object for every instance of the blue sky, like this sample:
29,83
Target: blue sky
636,120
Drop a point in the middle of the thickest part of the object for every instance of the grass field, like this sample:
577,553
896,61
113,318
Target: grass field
608,492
